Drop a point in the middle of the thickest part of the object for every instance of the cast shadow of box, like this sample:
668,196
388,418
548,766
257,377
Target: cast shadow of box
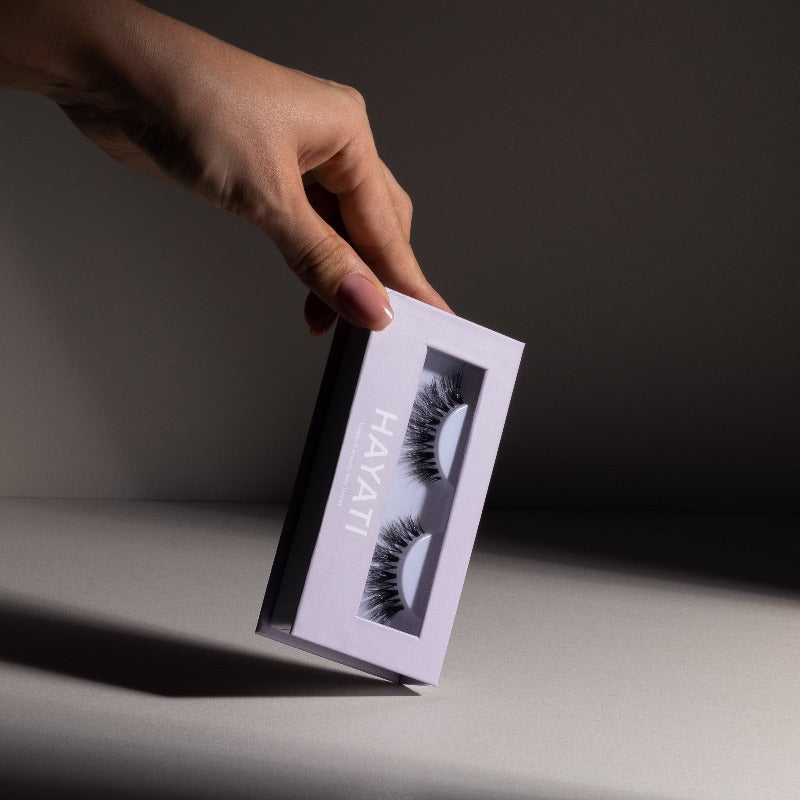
162,664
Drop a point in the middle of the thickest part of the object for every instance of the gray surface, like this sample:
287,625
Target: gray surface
615,184
128,668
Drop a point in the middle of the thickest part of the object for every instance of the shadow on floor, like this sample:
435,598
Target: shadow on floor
749,550
158,663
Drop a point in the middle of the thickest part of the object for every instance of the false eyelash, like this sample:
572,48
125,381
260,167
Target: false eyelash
381,593
432,403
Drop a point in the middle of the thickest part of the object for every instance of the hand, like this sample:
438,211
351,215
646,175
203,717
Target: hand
290,153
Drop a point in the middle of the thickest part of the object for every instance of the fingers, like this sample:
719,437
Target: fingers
400,200
345,232
330,267
369,199
317,314
327,206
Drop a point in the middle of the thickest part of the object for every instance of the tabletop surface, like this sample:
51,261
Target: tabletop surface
129,668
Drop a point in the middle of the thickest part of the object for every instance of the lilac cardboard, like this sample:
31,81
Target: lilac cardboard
352,481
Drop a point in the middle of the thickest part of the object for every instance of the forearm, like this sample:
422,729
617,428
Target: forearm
106,54
48,46
80,48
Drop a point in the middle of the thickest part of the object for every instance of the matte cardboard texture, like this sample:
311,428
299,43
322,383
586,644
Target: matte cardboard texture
391,486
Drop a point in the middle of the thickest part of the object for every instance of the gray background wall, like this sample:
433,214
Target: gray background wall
616,184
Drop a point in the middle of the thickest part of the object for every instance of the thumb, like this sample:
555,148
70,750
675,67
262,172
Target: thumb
330,267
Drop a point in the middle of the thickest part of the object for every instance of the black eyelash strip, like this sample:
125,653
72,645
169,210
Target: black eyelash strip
433,401
381,595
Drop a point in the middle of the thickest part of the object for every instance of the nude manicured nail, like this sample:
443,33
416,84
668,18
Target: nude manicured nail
363,303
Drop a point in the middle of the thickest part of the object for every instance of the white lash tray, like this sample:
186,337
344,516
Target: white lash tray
382,520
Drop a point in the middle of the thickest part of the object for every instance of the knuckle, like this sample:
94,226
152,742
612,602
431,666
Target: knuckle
356,96
406,204
319,260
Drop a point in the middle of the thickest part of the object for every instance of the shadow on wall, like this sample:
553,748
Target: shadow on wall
162,664
625,201
145,330
756,551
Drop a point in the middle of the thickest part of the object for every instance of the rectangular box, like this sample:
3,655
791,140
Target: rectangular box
382,520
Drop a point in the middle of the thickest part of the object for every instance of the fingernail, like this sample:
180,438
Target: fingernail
363,303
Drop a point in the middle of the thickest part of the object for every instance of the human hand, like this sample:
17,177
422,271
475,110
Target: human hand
290,153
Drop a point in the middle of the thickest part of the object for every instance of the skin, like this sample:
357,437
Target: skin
290,153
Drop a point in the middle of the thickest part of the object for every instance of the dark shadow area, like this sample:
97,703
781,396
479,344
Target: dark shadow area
755,551
283,786
161,664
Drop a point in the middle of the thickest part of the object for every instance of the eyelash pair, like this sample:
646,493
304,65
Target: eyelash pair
429,453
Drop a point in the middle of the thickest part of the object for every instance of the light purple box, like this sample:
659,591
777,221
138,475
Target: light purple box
391,486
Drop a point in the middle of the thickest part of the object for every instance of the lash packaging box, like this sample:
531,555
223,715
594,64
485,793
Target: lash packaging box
380,527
